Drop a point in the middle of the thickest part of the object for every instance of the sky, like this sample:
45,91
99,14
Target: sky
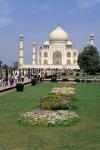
35,19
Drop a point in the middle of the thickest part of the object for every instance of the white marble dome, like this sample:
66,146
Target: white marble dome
46,43
69,43
58,34
21,35
33,43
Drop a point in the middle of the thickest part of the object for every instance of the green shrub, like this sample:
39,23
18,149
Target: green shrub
53,79
41,79
64,79
48,76
19,87
55,102
33,82
77,80
71,73
48,118
83,80
68,84
77,74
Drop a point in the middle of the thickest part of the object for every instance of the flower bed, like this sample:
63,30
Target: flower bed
71,84
48,118
54,110
55,102
63,90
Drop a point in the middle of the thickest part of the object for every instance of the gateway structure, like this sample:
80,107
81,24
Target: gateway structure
57,53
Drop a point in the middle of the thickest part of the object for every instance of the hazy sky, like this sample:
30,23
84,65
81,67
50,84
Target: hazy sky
35,19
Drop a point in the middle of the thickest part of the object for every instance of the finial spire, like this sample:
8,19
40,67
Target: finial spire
92,39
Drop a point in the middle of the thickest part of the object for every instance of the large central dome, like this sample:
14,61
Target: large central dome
58,34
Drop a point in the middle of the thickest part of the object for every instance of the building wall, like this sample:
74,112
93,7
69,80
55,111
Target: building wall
69,55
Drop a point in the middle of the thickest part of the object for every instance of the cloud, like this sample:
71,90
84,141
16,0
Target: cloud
4,21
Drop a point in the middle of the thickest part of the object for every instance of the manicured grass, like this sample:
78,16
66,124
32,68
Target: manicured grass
84,135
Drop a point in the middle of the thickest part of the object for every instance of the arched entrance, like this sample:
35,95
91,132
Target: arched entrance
57,58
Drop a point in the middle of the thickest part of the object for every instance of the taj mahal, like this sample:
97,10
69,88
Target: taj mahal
56,53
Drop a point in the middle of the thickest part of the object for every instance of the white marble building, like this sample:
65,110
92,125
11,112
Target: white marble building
58,52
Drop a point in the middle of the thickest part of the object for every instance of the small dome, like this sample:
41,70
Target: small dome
92,34
69,43
58,34
33,43
21,35
46,43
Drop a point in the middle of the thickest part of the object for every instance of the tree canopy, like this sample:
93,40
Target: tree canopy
0,63
15,64
89,60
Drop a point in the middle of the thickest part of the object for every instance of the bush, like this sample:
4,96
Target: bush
33,82
47,77
71,73
83,80
55,102
19,87
41,79
50,76
77,74
53,79
64,79
64,73
48,118
72,84
77,80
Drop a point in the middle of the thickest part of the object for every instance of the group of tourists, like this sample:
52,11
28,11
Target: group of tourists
14,79
11,80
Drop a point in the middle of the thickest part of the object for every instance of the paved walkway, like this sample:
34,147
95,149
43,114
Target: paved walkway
8,87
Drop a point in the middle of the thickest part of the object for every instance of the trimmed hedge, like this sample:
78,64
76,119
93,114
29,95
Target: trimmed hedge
19,87
64,80
33,82
53,79
77,80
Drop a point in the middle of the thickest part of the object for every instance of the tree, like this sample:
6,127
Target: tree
15,65
89,60
0,63
5,67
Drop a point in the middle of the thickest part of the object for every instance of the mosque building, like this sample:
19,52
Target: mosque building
57,53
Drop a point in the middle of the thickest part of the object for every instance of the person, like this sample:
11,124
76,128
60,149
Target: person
10,81
95,79
22,77
0,81
6,81
83,79
15,79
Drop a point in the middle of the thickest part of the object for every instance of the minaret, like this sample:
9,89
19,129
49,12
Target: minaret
33,53
21,50
92,40
87,43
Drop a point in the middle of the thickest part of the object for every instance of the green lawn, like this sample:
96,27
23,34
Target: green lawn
85,135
